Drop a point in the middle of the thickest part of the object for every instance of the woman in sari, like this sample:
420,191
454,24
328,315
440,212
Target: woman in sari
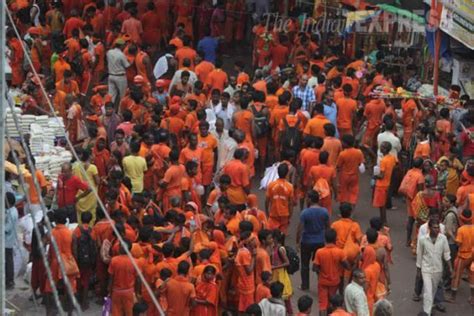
280,262
89,202
423,201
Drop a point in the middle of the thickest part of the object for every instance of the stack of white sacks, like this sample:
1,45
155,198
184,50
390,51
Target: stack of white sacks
42,130
41,140
50,163
10,125
57,125
26,121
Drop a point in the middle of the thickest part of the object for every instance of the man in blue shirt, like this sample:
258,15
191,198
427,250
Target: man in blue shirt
314,220
330,108
208,45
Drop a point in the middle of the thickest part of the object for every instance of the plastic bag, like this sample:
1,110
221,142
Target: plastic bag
20,260
107,307
271,174
362,168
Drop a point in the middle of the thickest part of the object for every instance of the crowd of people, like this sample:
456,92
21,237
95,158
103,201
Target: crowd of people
173,135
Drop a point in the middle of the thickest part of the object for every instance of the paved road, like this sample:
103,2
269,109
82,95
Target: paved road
403,270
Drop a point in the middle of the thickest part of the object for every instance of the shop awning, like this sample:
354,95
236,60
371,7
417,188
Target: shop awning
401,12
405,4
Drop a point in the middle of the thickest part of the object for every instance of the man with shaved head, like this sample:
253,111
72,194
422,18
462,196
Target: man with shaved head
68,187
304,92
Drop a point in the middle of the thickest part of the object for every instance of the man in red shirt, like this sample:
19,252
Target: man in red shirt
68,186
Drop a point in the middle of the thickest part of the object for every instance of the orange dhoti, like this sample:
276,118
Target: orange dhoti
207,174
262,144
245,300
324,293
460,265
348,188
101,275
85,82
167,195
327,203
407,133
380,196
17,75
279,222
122,303
370,136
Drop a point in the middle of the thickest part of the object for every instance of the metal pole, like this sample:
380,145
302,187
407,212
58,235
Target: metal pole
436,61
3,106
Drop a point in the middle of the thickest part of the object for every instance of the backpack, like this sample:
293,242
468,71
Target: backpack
86,249
293,259
351,249
291,138
76,64
322,187
262,125
408,187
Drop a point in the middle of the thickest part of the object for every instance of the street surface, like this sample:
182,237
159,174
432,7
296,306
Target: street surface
402,271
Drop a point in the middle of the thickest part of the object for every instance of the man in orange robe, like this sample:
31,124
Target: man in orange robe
122,282
347,166
207,293
279,200
240,178
16,58
245,264
179,292
329,263
171,183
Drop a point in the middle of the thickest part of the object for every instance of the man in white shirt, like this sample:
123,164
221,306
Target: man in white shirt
177,75
274,306
423,230
226,149
225,110
432,250
355,298
389,136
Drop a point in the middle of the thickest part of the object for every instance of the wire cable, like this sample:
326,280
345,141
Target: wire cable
83,171
36,231
43,206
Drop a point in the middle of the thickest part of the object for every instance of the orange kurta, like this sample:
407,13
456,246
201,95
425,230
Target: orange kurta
348,167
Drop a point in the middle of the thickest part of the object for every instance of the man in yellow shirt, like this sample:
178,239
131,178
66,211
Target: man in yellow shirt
134,167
